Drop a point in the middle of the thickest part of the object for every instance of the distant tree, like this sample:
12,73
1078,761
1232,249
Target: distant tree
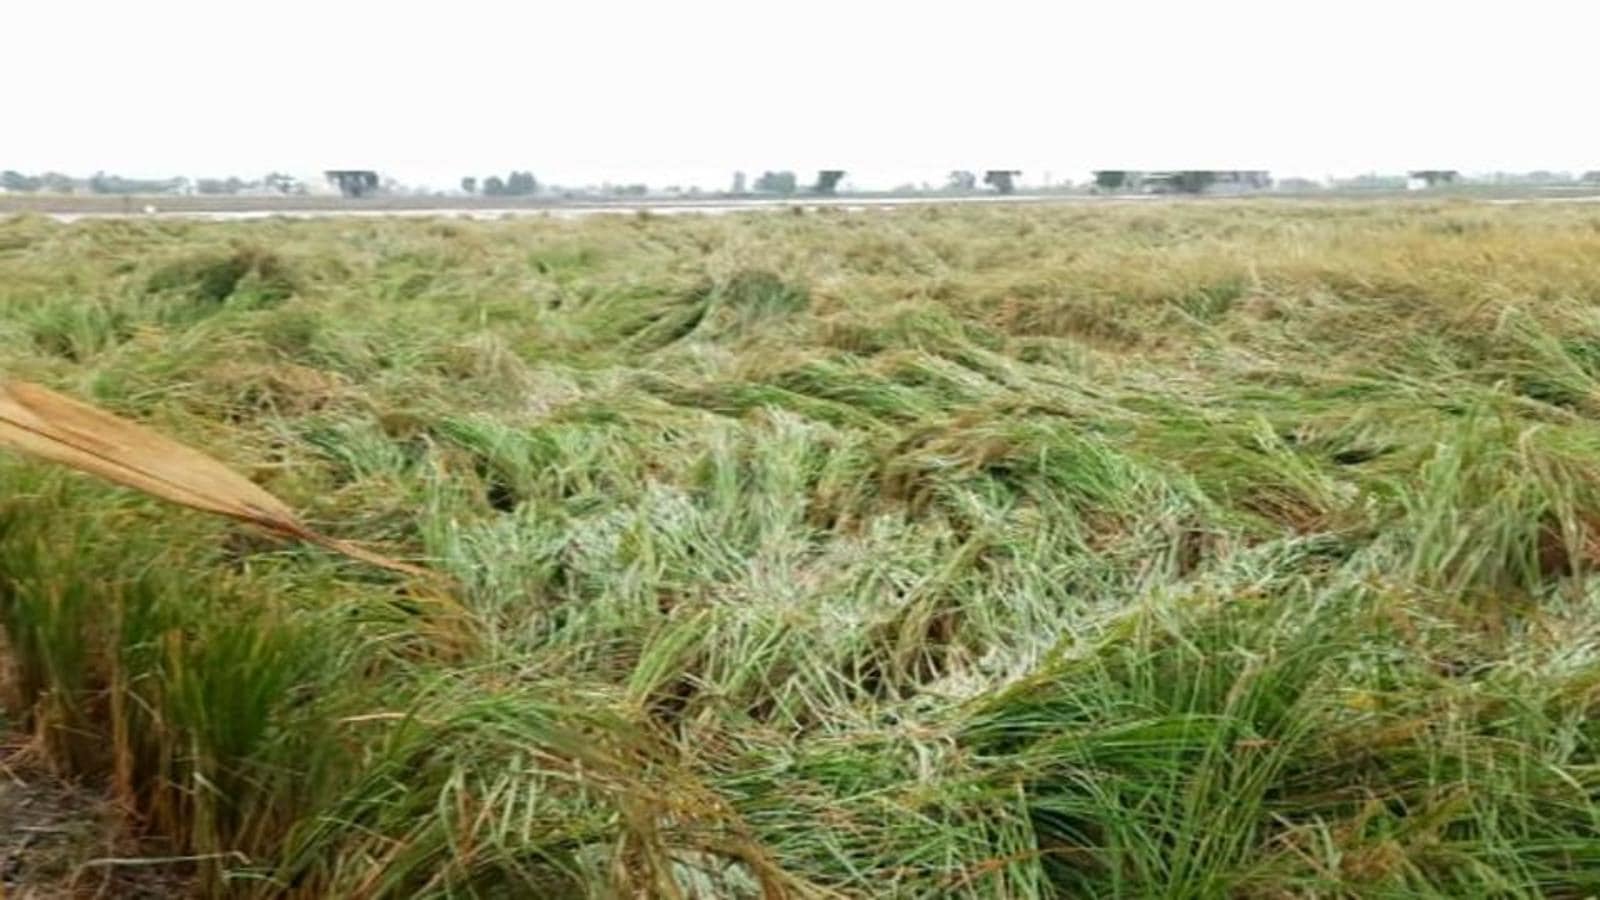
20,183
57,182
738,182
777,182
101,183
1002,180
283,184
962,180
1372,181
1537,176
1298,185
230,185
1113,179
1434,177
521,184
493,186
828,181
469,185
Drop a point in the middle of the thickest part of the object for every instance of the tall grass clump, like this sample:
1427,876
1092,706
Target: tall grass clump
1203,550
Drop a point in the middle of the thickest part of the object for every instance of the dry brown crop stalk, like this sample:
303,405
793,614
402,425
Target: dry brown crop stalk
50,426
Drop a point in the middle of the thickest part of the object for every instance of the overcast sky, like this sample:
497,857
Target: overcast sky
689,91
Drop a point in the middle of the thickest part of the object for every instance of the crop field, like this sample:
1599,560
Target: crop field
1217,549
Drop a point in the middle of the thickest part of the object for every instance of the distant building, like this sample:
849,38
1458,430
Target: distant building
1002,180
1183,181
353,182
1422,179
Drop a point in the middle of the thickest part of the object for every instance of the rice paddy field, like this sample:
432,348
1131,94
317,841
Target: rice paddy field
1185,550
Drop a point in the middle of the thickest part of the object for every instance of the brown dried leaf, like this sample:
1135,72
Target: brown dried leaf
42,423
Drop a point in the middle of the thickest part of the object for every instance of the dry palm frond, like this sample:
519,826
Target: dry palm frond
45,424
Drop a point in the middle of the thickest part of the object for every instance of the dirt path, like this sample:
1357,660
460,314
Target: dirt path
48,830
60,840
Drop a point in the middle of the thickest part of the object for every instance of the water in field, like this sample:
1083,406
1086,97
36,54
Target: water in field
581,210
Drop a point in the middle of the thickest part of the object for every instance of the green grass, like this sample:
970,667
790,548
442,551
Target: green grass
1200,550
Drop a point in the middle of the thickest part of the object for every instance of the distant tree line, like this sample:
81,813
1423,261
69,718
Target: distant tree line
961,180
786,183
523,184
101,183
515,184
54,182
104,183
275,183
777,183
1538,176
1371,181
781,182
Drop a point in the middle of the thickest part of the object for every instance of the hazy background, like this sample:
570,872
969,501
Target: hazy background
687,93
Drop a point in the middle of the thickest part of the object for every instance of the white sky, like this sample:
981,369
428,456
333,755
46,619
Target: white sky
690,90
